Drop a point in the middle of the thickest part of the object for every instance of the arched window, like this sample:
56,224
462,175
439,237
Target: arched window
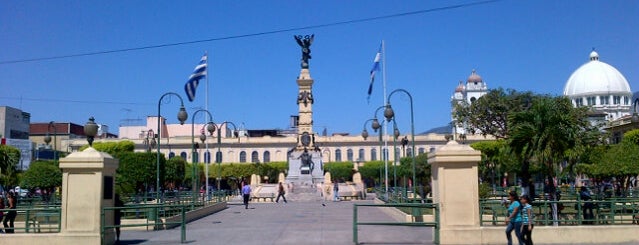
409,152
207,157
267,156
421,150
183,155
373,154
432,149
218,156
349,155
338,155
361,154
242,156
171,155
255,157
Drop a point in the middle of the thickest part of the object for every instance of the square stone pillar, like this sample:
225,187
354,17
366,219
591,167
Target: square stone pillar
456,190
88,185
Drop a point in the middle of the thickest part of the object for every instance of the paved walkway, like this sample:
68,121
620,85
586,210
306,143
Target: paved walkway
295,222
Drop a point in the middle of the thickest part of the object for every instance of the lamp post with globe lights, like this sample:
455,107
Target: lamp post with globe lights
47,139
389,114
181,116
210,127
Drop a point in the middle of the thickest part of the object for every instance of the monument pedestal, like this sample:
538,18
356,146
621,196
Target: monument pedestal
88,181
300,174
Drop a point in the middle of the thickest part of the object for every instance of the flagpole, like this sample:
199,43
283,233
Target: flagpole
206,143
385,124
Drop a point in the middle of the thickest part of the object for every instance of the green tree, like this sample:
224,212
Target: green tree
42,174
492,156
371,170
174,170
340,170
422,171
137,171
9,159
489,114
618,160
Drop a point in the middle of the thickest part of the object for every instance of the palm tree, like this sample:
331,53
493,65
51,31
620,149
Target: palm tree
543,133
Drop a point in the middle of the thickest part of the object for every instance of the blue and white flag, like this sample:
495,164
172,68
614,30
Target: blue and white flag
194,79
375,68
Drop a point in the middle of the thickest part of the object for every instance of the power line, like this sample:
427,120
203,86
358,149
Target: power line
75,101
252,34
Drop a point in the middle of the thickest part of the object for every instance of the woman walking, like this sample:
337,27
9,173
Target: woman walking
527,220
513,221
11,215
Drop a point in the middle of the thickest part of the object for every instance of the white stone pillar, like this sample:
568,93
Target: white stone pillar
88,185
456,190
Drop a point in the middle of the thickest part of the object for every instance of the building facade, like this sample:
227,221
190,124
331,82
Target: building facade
241,148
465,95
600,86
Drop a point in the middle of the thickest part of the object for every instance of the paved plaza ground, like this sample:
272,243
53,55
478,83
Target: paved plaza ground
296,222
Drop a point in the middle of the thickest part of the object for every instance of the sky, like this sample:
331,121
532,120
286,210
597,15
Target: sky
522,45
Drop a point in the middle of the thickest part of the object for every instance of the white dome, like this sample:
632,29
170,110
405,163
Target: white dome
595,78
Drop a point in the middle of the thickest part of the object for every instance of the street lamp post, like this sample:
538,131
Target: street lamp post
218,155
375,125
390,114
47,139
210,127
181,116
395,136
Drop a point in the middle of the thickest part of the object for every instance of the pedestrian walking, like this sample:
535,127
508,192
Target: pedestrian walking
117,216
280,193
335,191
246,194
1,211
527,220
513,221
588,206
11,215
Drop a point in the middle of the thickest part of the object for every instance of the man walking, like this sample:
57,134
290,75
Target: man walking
280,193
246,194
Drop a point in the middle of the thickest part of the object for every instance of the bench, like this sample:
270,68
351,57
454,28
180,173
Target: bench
263,198
349,197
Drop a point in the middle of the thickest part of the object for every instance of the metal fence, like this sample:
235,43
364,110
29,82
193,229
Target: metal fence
39,218
423,207
150,214
613,211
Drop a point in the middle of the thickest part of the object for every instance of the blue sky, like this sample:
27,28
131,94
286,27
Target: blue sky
524,45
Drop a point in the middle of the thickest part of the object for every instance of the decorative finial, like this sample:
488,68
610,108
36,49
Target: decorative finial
90,130
594,55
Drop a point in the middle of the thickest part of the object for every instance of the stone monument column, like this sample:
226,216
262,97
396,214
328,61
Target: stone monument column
305,162
456,190
88,185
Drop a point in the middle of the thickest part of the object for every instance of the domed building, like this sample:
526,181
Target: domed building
466,94
601,87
